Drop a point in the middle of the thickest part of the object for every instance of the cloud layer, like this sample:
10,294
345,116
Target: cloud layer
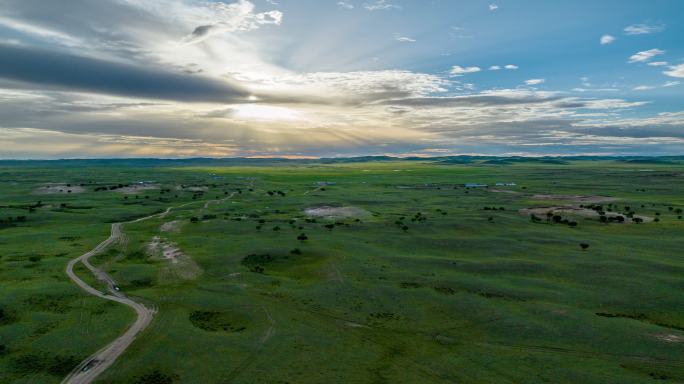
189,78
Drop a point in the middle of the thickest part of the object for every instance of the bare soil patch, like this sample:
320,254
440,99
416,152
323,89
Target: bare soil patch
171,226
576,198
179,265
336,212
194,188
504,191
670,338
135,188
52,189
577,212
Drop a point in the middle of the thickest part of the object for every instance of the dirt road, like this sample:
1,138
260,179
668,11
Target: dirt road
93,366
90,368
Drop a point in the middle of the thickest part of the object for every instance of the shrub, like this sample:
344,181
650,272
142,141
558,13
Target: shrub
155,377
55,365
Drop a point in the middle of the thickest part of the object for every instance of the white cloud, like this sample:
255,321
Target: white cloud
607,39
643,88
595,89
498,67
657,63
643,56
644,29
535,81
380,5
671,83
457,70
239,16
404,39
675,71
345,5
493,7
457,32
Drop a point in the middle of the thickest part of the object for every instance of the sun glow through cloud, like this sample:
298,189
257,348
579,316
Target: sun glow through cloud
343,78
265,112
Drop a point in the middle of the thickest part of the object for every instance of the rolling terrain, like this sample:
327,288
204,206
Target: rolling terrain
378,270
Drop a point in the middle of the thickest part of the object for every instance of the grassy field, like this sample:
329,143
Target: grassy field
410,277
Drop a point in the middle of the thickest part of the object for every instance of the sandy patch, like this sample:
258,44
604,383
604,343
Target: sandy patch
135,188
179,267
336,212
51,189
171,226
577,198
541,212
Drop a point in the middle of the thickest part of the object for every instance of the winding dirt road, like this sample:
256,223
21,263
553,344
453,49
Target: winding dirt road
93,366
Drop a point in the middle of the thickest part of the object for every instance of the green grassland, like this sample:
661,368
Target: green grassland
435,283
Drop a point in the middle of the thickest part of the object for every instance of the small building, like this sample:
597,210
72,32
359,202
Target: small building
505,184
475,185
325,183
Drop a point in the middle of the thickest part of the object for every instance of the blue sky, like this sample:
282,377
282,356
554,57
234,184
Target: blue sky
177,78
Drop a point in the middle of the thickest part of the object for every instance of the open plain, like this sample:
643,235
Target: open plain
370,270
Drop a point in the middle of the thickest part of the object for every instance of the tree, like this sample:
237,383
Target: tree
584,246
302,237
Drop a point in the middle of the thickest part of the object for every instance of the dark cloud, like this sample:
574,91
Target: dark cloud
480,100
201,32
63,71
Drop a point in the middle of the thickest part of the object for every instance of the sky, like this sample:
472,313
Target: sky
329,78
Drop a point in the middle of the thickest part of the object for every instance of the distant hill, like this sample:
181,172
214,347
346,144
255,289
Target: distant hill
242,161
